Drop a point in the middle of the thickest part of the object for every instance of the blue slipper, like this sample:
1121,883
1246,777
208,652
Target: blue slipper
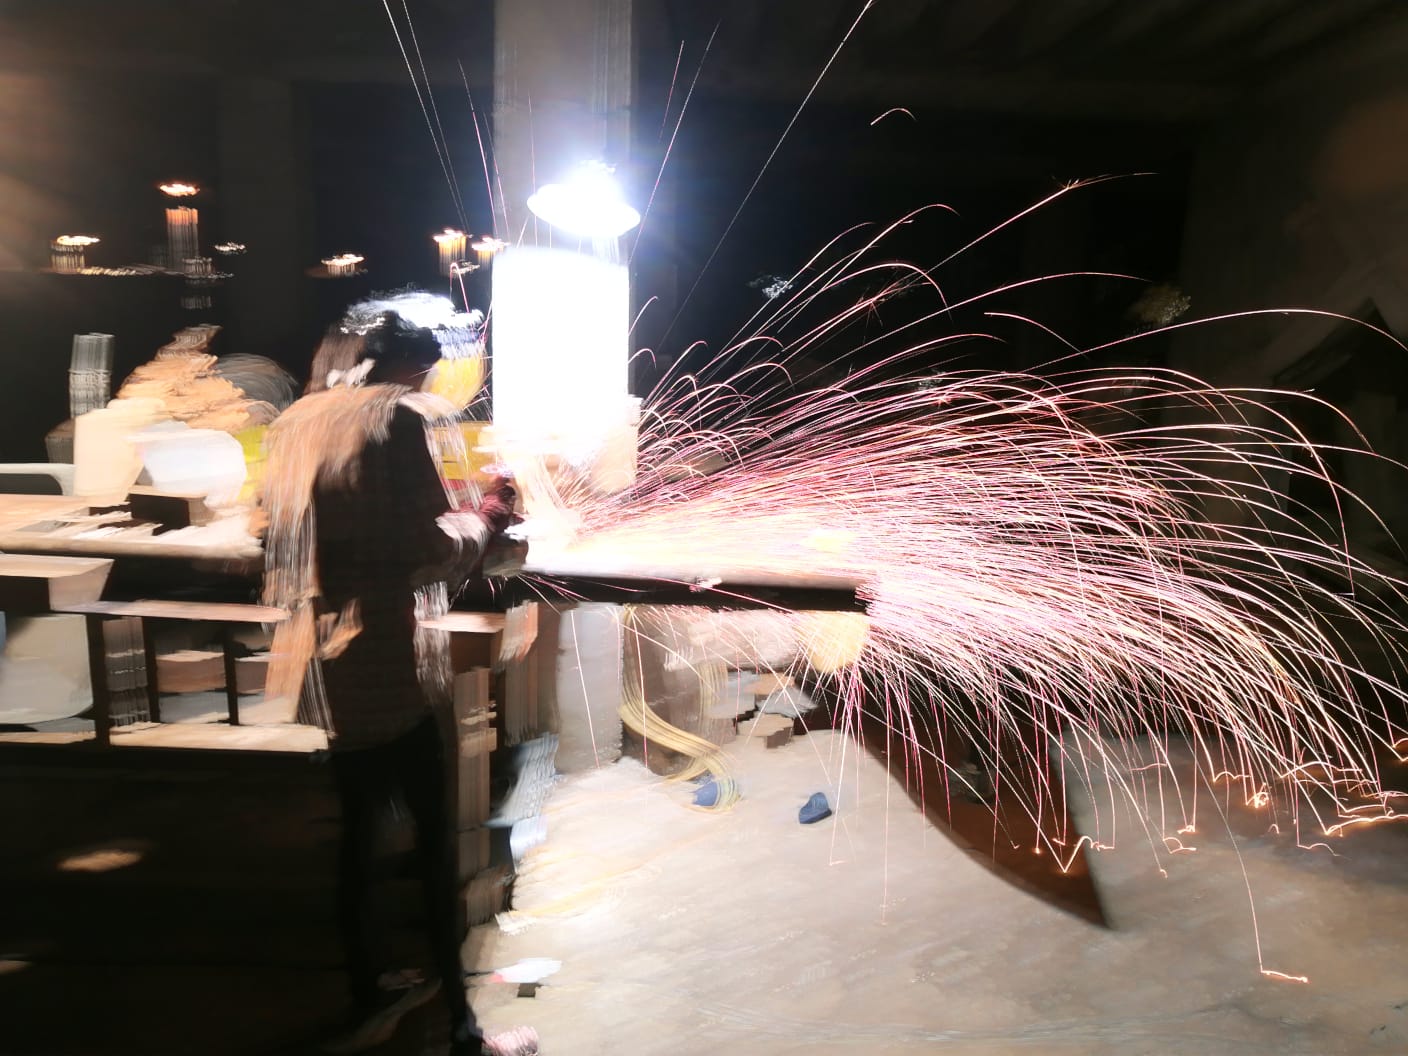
815,809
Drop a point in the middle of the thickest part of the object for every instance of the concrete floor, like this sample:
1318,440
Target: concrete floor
164,903
679,931
687,932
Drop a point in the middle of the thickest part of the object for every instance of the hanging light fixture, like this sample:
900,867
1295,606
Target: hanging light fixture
589,204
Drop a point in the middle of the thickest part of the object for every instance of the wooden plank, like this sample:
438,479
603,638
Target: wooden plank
137,542
218,735
471,651
30,583
520,630
190,671
64,524
472,800
468,622
471,696
474,848
46,736
214,612
20,511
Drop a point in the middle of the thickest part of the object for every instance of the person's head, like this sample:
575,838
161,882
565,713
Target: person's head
397,339
338,353
401,353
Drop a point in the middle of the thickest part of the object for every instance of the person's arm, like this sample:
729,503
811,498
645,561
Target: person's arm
441,542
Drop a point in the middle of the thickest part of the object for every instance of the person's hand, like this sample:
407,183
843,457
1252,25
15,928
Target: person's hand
497,509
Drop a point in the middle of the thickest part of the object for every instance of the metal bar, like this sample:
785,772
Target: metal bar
232,691
622,590
98,673
149,658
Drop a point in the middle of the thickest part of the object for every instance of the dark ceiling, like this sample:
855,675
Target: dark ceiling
1170,60
1153,59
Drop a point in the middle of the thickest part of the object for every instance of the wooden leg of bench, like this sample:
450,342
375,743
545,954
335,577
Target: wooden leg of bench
232,690
98,674
149,654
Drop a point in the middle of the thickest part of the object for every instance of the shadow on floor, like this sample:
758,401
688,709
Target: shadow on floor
174,903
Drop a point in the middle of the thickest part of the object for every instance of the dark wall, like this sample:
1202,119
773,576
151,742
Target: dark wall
839,168
85,153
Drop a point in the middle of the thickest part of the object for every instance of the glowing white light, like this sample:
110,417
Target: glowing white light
589,205
76,240
561,338
179,190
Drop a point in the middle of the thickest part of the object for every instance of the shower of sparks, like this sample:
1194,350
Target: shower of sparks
1059,575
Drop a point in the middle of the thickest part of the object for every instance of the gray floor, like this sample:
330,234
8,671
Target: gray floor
681,931
686,932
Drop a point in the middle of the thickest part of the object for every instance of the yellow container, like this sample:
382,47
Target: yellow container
252,444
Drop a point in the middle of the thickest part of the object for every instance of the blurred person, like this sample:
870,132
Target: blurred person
363,542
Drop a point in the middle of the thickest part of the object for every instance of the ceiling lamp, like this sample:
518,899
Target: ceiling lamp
589,204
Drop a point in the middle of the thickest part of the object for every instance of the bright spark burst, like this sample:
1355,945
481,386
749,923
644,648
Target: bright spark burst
1052,557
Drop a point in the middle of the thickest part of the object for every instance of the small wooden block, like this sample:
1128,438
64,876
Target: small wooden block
251,672
520,630
252,636
767,684
778,738
474,850
470,650
190,671
32,583
487,895
471,693
168,509
474,772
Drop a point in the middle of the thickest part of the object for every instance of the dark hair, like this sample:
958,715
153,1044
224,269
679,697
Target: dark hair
393,340
338,351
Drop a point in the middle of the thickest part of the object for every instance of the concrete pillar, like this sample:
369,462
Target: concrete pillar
563,80
564,74
588,687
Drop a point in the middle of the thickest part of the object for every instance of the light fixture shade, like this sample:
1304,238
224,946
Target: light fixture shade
561,373
589,205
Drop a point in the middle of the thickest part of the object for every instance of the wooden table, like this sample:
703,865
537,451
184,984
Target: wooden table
64,524
98,613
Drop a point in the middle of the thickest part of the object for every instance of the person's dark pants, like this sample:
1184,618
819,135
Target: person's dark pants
413,765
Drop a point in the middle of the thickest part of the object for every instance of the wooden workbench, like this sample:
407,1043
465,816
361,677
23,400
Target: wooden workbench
63,524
